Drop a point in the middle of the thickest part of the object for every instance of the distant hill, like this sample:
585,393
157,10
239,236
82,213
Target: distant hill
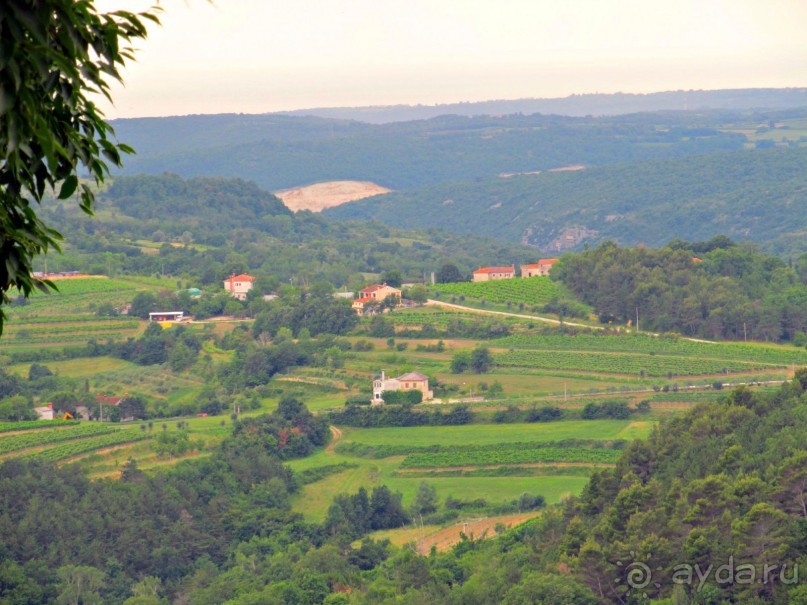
758,195
578,105
208,228
320,196
282,152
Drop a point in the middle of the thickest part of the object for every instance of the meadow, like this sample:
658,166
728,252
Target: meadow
315,498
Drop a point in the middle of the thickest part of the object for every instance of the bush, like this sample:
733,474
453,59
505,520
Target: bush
360,399
607,409
530,502
544,414
403,397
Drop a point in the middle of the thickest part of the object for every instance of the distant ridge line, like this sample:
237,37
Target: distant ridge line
594,104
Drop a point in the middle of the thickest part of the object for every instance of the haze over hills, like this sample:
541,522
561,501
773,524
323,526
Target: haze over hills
595,104
649,177
758,195
281,152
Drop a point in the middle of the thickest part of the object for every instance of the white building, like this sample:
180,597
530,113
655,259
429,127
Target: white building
413,381
239,285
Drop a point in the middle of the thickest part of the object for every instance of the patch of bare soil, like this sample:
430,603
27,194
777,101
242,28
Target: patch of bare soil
475,528
320,196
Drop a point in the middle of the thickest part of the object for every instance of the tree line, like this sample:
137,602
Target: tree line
715,289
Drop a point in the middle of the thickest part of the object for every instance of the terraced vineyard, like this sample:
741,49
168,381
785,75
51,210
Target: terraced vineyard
511,456
530,291
84,446
779,355
442,318
624,363
67,317
7,427
13,443
57,440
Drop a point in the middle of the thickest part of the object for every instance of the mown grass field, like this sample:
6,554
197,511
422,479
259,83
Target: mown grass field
315,498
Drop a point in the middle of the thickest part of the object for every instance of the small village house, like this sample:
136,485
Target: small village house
413,381
44,412
239,285
491,273
541,268
114,401
375,294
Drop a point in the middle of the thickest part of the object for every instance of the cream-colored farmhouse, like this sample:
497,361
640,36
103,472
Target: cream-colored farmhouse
374,294
491,273
542,268
239,285
413,381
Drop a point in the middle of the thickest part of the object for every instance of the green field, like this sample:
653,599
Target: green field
316,497
781,355
530,291
625,363
67,317
484,434
76,368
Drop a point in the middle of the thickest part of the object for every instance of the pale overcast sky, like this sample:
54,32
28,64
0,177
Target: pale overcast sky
255,56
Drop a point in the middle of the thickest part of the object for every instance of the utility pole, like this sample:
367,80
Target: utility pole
637,320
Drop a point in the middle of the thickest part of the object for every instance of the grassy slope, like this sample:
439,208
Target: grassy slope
316,497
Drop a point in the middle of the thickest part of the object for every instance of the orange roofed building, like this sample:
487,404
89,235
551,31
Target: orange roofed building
374,294
239,285
542,267
491,273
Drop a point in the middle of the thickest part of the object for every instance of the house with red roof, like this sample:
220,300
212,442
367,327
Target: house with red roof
491,273
374,294
542,268
239,285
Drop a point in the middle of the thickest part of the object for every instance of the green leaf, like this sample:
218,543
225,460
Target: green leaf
68,187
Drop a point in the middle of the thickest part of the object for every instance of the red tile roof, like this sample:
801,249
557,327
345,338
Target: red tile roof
364,299
108,400
413,377
242,277
370,289
496,270
542,263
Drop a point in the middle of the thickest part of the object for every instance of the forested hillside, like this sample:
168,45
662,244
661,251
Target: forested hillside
205,229
712,289
758,195
721,487
279,152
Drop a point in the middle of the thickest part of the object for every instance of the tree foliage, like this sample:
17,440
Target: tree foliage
56,54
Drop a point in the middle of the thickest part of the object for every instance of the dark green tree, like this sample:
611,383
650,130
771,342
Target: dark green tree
55,53
481,360
449,274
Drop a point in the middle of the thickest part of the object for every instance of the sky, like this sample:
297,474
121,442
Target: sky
257,56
